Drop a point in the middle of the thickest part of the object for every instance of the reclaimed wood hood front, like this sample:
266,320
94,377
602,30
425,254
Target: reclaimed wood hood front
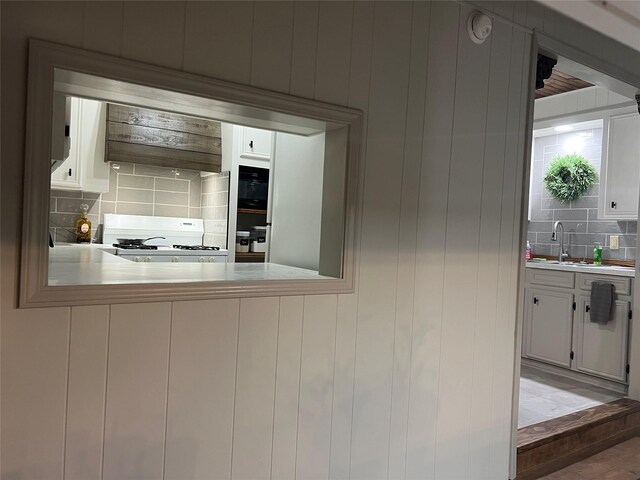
153,137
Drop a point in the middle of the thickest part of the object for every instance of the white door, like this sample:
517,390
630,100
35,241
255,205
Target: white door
296,200
549,324
602,349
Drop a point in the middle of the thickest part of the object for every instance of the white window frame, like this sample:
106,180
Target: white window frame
44,58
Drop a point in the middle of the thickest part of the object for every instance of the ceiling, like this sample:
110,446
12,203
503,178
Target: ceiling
618,19
560,83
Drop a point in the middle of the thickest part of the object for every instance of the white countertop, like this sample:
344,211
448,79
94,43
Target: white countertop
95,264
586,268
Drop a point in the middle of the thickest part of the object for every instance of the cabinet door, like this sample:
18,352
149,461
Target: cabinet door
621,167
91,145
256,143
548,321
85,168
602,349
68,175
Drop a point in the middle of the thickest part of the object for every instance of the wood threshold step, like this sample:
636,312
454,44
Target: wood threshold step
538,434
548,446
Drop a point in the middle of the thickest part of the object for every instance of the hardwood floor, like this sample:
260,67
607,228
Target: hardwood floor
620,462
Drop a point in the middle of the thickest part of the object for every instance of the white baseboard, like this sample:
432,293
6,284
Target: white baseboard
581,377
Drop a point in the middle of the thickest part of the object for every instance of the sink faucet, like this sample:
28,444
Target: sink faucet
562,255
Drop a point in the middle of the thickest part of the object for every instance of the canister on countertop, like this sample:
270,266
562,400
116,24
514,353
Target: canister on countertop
242,241
258,239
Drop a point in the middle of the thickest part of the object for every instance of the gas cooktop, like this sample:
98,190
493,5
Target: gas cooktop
133,246
195,247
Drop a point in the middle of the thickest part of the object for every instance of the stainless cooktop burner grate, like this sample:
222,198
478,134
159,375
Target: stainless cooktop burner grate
129,246
196,247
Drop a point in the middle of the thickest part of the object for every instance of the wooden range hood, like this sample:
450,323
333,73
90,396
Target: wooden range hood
154,137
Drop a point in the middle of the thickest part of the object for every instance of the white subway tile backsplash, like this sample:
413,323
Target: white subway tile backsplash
135,195
147,190
134,208
135,181
172,185
170,211
580,217
171,198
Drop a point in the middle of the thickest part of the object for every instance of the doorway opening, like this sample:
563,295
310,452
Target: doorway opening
578,285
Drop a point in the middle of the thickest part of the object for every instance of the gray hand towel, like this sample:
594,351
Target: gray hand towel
601,307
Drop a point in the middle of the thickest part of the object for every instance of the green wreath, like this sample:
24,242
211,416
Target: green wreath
569,176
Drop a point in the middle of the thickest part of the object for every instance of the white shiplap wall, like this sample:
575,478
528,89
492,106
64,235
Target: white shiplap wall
410,377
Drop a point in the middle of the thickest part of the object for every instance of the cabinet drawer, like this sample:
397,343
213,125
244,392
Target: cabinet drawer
551,278
622,284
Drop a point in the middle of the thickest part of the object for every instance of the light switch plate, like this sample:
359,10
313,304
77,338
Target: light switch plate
613,242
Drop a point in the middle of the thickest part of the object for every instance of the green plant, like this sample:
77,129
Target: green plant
569,176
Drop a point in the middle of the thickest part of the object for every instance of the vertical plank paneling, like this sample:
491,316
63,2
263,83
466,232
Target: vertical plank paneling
204,339
304,49
507,436
334,52
287,391
361,55
342,402
153,32
407,241
347,310
488,255
136,401
359,94
255,385
218,40
316,386
34,342
34,388
432,216
535,15
502,364
461,250
271,50
86,392
353,405
378,267
103,27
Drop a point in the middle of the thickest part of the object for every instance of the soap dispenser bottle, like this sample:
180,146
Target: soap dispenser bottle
528,253
83,226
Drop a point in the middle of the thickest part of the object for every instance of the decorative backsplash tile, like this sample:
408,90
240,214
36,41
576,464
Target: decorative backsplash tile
580,217
146,190
215,208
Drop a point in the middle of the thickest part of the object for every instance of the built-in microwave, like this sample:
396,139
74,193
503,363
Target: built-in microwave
253,187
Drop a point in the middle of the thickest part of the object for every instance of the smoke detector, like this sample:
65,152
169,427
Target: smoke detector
479,27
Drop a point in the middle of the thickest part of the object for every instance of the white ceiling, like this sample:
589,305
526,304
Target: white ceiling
618,19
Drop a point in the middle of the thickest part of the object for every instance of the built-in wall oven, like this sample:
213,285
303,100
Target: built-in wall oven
253,188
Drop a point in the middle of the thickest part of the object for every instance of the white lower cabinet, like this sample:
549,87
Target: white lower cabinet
558,331
602,349
550,324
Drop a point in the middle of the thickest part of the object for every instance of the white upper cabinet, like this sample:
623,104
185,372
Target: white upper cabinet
256,143
67,175
85,168
620,170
